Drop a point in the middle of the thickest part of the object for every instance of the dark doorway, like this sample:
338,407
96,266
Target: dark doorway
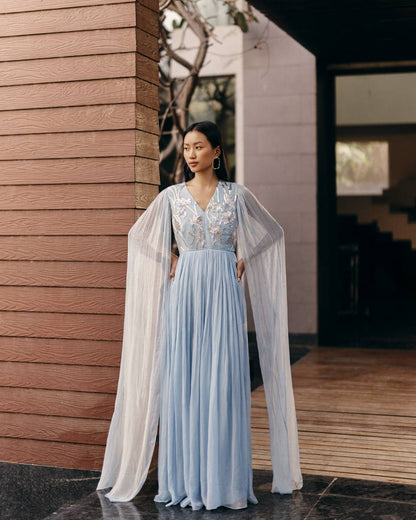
366,209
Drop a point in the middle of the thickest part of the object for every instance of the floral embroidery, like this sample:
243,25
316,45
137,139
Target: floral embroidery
222,219
215,228
197,231
176,224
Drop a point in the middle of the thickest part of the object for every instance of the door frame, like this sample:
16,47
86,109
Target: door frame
327,253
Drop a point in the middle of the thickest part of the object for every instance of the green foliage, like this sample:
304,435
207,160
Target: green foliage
241,21
241,18
178,25
361,163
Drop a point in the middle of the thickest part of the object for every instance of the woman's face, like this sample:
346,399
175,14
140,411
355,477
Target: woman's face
198,152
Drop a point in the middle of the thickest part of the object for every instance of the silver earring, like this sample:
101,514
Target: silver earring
219,163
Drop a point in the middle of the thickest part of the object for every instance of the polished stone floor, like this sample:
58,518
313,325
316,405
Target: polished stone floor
41,493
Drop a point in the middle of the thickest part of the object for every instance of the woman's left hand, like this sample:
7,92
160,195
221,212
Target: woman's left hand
240,269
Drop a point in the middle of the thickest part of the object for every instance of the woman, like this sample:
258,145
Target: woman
185,352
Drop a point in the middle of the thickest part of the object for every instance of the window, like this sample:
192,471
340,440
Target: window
362,167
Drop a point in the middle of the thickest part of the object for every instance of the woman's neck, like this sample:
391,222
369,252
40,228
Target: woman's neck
205,180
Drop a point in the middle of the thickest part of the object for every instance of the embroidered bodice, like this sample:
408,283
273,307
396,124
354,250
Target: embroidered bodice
214,228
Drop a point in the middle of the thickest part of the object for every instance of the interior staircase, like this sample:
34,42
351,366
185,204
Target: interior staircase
377,266
376,287
394,211
387,267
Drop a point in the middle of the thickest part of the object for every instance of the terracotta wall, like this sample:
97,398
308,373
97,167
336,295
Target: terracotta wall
78,164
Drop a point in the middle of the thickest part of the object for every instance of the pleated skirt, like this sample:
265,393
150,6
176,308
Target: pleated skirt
204,454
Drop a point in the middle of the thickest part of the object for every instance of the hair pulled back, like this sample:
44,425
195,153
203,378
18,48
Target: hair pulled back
213,134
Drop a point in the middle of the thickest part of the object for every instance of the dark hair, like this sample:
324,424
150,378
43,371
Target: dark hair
212,133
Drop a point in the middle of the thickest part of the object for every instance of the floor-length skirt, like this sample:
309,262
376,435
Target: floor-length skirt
204,431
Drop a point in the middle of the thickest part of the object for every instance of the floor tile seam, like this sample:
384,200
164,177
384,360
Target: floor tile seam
320,495
63,479
372,499
311,509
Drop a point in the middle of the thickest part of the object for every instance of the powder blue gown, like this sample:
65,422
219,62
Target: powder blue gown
204,430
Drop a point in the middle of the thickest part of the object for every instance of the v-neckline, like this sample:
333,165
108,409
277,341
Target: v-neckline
210,200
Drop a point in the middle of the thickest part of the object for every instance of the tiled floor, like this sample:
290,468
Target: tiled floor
36,493
30,492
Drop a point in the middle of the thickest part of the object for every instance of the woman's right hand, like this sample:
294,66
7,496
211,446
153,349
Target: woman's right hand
173,261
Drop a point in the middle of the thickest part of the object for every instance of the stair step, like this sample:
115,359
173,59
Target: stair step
368,211
387,266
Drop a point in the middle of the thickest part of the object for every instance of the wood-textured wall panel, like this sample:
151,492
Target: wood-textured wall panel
59,350
147,145
75,196
11,6
147,45
59,377
147,19
61,403
69,455
147,69
55,70
147,94
74,144
143,192
150,4
63,274
68,119
57,325
106,41
78,164
147,170
95,17
94,92
73,119
62,429
74,222
146,120
62,299
68,171
68,196
103,248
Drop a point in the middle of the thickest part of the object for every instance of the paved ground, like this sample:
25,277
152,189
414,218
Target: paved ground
36,493
30,492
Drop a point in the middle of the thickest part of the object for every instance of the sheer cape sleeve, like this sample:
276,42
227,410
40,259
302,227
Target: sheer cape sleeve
133,428
261,245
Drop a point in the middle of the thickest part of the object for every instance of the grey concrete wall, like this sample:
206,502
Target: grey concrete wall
279,85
